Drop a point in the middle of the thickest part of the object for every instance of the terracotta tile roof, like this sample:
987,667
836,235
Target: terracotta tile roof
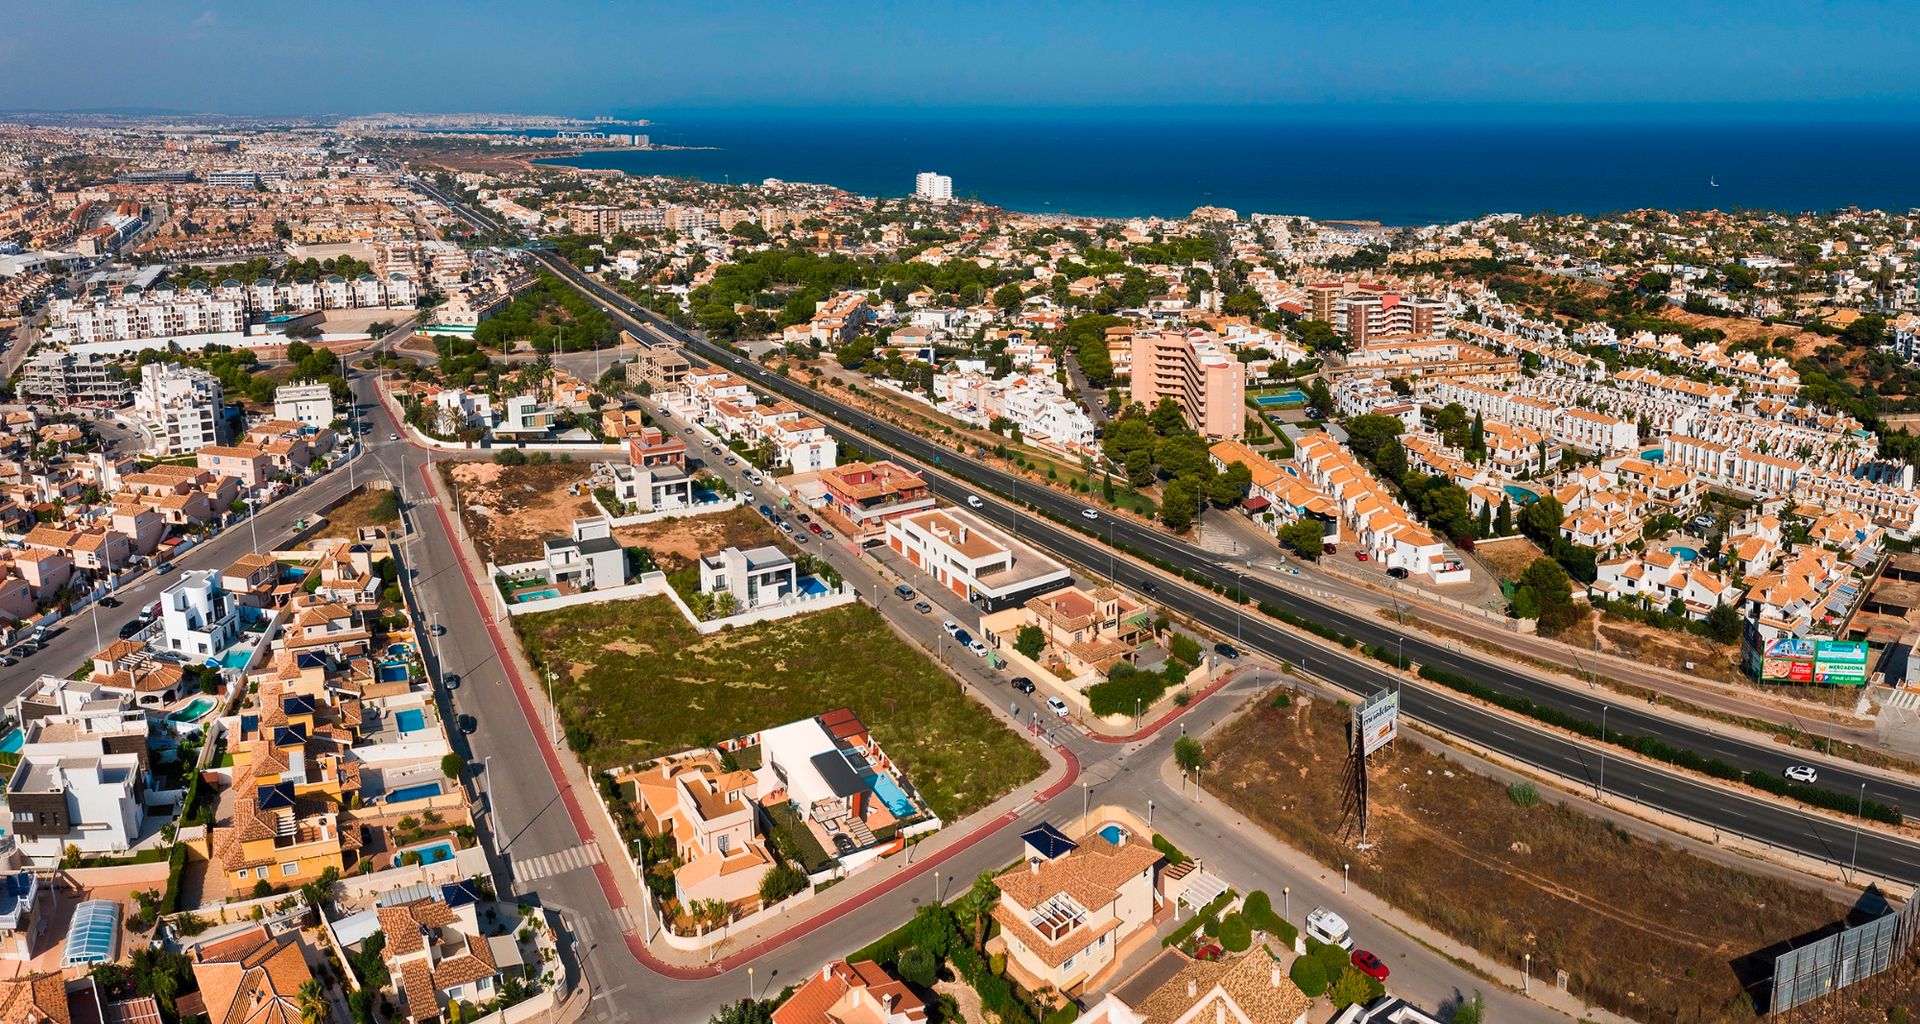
403,923
824,997
1253,988
417,979
260,985
32,999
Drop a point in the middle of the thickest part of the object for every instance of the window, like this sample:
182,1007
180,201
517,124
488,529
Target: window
1068,966
246,873
290,868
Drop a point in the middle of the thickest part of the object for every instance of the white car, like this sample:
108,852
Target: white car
974,501
978,648
746,496
393,437
950,626
1089,514
1057,706
1801,773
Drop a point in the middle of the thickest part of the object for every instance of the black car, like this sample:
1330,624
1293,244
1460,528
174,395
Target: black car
451,680
1398,572
1226,651
1023,684
467,724
109,602
131,628
842,843
1149,587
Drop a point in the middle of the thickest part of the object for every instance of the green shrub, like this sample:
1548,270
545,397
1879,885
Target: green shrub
1065,1015
1179,935
1258,910
1168,850
1236,934
1525,794
917,967
1309,976
1349,987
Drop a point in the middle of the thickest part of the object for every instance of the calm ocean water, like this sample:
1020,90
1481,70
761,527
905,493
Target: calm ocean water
1398,172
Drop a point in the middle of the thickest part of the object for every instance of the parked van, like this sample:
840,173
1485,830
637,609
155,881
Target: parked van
1324,925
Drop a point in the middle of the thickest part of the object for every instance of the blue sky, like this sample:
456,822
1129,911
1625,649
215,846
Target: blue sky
1836,57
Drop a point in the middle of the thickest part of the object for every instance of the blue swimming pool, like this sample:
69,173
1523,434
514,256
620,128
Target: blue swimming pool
1520,495
12,743
399,650
432,853
534,595
295,572
419,792
1113,834
1684,553
1654,455
393,672
812,587
889,792
1284,398
193,711
410,720
235,659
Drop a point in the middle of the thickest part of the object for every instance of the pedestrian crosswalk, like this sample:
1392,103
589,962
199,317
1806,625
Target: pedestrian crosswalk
558,863
607,924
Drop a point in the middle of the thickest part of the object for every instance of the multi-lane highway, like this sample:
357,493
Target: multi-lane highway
1080,541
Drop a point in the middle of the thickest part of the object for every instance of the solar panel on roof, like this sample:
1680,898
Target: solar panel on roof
278,796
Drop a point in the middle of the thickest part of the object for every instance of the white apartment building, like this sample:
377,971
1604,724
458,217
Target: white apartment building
1036,404
1732,467
88,801
309,403
197,615
160,313
932,187
182,407
1582,429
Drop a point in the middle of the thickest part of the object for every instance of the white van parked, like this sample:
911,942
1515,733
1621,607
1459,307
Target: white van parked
1324,925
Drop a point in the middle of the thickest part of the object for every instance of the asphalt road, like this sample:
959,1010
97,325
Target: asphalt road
1770,822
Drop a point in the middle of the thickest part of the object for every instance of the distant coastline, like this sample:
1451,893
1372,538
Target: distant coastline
1399,174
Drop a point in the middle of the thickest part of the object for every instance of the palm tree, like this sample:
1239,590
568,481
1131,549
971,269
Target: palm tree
312,1000
978,905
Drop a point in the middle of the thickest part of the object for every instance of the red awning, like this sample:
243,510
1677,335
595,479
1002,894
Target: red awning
1255,504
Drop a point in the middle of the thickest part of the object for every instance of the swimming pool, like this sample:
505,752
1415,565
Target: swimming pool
235,659
1684,553
1284,398
295,572
193,711
410,720
1113,834
1520,495
811,586
419,792
13,741
535,595
400,650
1654,455
432,853
393,672
890,793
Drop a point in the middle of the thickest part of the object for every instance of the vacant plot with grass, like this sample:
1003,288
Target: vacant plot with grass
635,682
365,507
1642,928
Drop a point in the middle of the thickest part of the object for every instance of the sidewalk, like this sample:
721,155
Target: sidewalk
623,889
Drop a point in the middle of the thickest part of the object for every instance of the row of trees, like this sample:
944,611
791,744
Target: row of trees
552,317
1160,445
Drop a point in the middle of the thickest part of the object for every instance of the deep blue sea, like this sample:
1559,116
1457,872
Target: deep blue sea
1395,170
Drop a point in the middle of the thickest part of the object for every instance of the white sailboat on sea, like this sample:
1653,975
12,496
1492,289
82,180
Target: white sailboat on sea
1712,183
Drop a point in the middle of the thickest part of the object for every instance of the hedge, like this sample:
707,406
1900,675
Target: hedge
1309,976
1180,934
176,866
1660,750
1236,934
1258,911
1168,850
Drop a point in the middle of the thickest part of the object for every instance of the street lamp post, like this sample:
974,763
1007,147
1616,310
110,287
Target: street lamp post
1603,751
1286,901
1853,862
1084,795
749,984
1344,869
1149,812
1526,973
936,887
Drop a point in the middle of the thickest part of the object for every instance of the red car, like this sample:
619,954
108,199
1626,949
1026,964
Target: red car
1360,555
815,527
1369,965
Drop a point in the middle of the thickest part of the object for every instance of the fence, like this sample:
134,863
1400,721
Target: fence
1821,968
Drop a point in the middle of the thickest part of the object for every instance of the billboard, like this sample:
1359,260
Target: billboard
1376,720
1787,660
1806,662
1825,966
1840,662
